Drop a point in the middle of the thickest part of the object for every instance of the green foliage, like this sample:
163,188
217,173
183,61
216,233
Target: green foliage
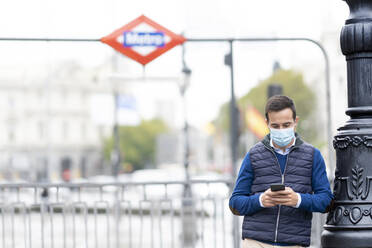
137,143
293,86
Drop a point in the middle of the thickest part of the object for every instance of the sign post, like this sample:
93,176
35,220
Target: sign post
143,40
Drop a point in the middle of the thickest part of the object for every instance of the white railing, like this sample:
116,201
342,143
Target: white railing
149,214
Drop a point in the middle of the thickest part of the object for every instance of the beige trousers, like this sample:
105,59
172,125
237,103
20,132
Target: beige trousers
250,243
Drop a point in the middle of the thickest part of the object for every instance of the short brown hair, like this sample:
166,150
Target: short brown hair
278,103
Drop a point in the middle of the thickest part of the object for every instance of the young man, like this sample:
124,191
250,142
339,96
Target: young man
280,218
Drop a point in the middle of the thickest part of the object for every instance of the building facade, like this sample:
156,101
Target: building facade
48,120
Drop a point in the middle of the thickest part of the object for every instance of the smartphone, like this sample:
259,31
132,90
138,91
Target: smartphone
277,187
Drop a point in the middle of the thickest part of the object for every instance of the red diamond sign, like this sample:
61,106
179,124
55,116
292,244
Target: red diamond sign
143,40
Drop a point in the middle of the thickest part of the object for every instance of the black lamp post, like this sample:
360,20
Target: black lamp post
189,234
349,223
184,84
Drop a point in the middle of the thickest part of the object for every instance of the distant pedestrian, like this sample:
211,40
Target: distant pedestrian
280,214
44,199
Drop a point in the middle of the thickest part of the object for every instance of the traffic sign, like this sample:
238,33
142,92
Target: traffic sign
143,40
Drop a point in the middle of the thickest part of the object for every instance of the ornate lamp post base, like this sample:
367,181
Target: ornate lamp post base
349,223
347,238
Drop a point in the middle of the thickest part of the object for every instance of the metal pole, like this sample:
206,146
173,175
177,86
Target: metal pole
189,235
331,155
116,151
233,112
233,136
233,116
183,87
116,156
49,39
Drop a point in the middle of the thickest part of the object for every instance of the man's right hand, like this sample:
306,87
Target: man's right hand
285,197
267,200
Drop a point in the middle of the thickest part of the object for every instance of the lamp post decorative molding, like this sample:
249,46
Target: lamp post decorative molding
349,222
344,142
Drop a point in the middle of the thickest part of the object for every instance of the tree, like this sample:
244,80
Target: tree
137,143
293,86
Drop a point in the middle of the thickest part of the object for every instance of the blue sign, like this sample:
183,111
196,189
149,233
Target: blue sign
155,39
126,102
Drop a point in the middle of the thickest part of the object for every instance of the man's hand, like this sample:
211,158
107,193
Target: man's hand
285,197
267,199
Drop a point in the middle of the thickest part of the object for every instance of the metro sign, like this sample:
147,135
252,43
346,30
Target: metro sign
155,39
143,40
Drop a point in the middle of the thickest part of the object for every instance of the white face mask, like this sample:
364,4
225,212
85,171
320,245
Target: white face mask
282,137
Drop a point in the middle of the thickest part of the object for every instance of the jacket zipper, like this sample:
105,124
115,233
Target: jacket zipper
282,174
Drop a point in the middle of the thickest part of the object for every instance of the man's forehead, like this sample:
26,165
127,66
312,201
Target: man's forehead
281,121
282,115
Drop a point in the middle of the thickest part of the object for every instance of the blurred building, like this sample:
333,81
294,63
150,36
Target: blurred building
166,111
170,149
47,121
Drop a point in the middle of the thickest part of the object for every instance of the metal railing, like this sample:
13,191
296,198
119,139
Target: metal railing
133,214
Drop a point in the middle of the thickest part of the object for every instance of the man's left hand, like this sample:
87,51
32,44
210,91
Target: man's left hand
285,197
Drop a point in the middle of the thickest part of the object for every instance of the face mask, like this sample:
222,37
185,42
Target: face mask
282,137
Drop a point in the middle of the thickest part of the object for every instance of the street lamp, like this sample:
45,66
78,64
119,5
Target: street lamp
115,153
349,220
185,82
188,221
183,85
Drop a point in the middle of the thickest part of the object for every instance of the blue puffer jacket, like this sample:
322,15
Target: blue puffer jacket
281,224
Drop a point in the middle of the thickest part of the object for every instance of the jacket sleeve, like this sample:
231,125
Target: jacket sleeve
242,202
322,194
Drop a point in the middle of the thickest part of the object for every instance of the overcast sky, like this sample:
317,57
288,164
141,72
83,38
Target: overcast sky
210,83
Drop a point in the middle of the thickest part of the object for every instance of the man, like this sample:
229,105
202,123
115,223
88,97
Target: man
280,218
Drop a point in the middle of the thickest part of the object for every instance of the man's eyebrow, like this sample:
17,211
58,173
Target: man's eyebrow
278,124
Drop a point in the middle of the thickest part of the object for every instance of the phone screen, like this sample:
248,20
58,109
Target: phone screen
277,187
